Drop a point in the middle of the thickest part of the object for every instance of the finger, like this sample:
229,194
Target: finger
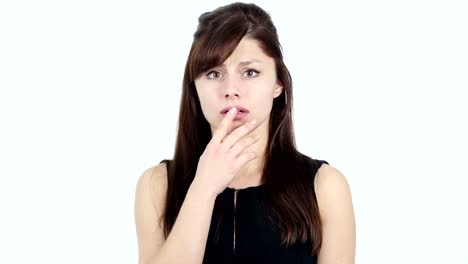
244,158
237,134
221,132
242,144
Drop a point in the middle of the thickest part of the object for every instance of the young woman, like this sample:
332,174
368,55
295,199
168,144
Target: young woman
237,190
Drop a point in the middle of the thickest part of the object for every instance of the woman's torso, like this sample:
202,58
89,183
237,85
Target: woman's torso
245,232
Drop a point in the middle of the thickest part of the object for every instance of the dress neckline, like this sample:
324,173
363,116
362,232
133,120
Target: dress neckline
257,187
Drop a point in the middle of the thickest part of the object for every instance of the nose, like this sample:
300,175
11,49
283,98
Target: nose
231,88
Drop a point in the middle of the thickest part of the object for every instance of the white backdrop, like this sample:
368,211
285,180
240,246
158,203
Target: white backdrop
89,97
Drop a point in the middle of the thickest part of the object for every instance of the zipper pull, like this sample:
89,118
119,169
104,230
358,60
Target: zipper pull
234,236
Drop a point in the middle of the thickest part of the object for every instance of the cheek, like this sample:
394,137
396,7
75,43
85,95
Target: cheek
202,94
263,101
208,105
206,93
263,91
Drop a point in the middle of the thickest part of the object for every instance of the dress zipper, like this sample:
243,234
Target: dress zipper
234,237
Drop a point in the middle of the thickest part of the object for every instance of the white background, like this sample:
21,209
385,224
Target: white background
89,97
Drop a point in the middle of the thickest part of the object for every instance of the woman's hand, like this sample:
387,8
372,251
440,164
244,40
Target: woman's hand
223,156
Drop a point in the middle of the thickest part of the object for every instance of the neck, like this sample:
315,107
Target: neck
251,173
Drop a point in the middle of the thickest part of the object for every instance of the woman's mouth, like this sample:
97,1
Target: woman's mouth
240,115
241,112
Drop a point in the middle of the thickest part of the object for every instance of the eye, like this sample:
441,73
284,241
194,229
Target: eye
252,73
213,75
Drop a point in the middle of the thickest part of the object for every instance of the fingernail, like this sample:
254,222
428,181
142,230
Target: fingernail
233,110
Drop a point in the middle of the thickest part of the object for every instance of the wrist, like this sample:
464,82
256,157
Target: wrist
200,191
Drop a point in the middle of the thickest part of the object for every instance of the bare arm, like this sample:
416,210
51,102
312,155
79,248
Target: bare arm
187,240
337,214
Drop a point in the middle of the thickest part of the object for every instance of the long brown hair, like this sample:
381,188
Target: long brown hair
289,192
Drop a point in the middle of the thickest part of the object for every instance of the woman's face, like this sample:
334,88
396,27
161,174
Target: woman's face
247,79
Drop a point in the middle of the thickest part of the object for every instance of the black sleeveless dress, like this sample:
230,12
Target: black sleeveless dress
245,235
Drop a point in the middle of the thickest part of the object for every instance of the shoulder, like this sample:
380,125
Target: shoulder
154,178
329,183
332,189
337,216
150,198
152,186
328,176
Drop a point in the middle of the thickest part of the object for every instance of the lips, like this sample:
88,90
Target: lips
239,108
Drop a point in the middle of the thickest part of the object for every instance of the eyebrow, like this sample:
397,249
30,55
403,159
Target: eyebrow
243,63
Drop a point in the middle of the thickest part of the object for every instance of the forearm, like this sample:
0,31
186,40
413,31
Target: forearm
187,240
